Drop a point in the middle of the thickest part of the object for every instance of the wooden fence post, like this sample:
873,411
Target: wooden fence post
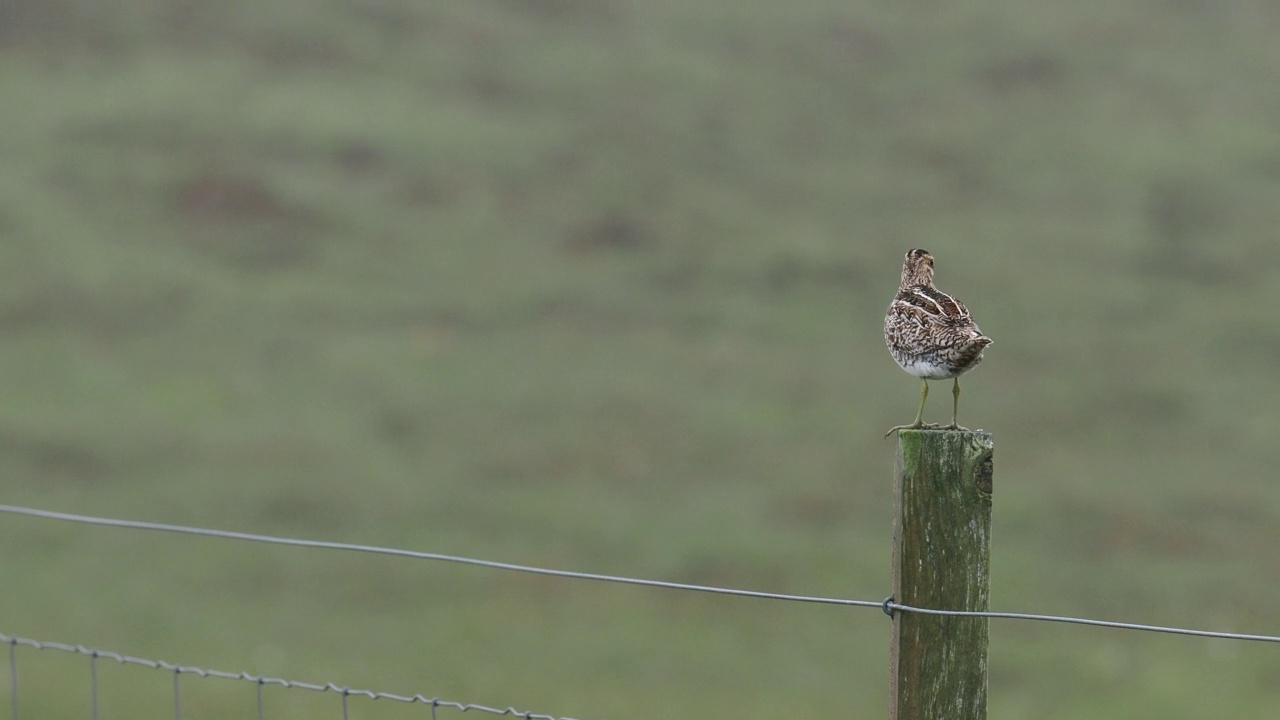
941,560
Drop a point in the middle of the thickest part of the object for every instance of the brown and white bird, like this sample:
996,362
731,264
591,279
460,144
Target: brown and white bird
930,334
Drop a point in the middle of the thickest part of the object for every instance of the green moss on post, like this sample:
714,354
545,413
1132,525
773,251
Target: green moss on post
941,560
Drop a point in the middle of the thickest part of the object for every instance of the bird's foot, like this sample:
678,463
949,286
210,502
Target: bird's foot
917,425
954,426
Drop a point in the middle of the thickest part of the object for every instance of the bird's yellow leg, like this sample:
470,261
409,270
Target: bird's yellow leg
955,407
919,421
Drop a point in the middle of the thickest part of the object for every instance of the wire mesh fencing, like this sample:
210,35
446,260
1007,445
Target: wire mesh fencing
342,693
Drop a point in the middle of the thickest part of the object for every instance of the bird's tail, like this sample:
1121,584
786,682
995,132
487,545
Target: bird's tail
971,350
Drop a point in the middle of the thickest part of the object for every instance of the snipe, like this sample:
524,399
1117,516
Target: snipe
930,334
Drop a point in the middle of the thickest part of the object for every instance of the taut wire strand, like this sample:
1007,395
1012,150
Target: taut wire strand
328,545
1086,621
886,605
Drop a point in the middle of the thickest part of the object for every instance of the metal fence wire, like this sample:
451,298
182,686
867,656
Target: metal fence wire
889,606
342,692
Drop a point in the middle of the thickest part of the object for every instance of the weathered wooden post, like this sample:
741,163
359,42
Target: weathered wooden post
941,560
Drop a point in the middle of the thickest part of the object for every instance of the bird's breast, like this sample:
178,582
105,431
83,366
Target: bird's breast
927,368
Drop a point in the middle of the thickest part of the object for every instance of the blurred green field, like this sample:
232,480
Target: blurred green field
598,285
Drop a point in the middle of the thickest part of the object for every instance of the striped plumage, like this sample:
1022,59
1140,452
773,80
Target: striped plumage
930,334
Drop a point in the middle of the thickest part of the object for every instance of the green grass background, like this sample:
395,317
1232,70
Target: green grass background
598,285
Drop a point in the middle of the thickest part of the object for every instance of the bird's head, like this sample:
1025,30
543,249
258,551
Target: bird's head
917,268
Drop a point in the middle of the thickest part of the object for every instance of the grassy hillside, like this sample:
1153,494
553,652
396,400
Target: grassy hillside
598,285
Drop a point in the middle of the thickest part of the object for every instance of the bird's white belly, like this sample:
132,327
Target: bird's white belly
927,370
